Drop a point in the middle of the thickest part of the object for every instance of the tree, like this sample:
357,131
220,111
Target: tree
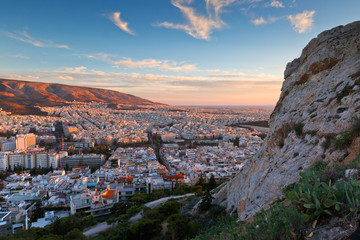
38,212
201,181
206,202
169,208
212,183
146,228
75,234
118,208
180,228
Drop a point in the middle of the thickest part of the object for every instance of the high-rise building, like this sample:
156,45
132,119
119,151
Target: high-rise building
23,141
8,146
4,161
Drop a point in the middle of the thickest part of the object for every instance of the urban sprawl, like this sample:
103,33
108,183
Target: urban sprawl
86,156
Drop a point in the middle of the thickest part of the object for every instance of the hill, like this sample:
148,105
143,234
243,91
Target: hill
21,97
317,118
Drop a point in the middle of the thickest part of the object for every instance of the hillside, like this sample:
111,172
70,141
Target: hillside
320,97
21,96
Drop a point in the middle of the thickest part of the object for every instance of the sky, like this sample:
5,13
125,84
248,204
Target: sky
178,52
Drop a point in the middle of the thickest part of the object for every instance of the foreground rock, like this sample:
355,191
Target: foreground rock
320,94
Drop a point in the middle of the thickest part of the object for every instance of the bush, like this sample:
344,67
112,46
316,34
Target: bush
348,194
279,222
298,128
343,140
333,174
355,125
313,197
146,228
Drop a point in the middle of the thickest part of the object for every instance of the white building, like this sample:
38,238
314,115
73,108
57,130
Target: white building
4,164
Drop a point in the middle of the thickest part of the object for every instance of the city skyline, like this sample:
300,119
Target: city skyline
212,52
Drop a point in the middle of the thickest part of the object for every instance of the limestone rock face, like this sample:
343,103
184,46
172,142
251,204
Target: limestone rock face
321,91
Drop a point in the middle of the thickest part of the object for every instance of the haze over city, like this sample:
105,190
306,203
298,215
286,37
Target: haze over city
212,52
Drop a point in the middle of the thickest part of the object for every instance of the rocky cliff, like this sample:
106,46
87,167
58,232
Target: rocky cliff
320,95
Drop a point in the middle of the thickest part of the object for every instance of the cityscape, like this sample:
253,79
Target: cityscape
132,151
179,120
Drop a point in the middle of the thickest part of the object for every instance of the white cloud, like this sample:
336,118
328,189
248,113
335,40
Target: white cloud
115,18
199,26
259,21
160,64
19,76
155,64
25,37
92,77
262,21
302,22
65,78
276,4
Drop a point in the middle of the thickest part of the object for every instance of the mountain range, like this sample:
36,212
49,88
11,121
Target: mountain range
21,97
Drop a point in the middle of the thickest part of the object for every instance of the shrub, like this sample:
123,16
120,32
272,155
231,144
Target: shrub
332,174
343,140
279,222
298,128
146,228
346,91
355,126
313,197
348,194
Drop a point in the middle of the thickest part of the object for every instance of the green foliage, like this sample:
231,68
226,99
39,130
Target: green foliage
279,222
146,228
98,149
211,184
206,202
39,212
343,140
298,128
118,208
355,125
348,194
75,234
180,228
355,163
225,228
169,208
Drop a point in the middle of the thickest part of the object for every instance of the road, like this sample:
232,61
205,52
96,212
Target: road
154,204
99,228
157,203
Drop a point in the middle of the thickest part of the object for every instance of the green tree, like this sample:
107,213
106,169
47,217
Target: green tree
201,181
146,229
212,183
180,228
206,202
118,208
39,212
51,237
169,208
75,234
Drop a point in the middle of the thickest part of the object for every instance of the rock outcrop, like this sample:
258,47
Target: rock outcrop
320,94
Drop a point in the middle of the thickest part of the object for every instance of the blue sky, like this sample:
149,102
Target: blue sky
181,52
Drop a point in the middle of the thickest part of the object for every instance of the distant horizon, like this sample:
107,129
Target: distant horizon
206,52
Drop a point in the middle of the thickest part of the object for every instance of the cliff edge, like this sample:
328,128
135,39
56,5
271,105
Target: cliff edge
319,96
